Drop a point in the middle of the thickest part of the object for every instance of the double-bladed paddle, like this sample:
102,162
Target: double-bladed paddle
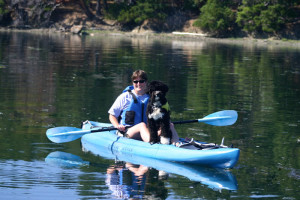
221,118
68,134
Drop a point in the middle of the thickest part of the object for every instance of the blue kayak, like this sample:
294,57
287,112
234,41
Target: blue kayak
216,156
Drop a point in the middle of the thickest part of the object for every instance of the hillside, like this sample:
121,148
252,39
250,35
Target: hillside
74,16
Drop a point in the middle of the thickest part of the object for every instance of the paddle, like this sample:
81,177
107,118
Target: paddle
221,118
68,134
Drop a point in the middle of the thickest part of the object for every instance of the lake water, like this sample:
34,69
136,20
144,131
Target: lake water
51,80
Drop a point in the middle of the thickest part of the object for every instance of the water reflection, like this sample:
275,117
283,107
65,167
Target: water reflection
126,180
65,160
214,178
129,179
36,180
51,80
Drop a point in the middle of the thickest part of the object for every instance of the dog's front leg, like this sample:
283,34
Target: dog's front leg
166,133
153,132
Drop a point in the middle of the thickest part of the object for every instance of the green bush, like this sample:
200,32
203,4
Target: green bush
215,16
273,18
3,9
261,18
147,9
114,10
192,5
248,17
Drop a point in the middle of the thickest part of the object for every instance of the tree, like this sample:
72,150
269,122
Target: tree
216,17
86,9
273,18
142,10
98,8
262,17
86,6
248,17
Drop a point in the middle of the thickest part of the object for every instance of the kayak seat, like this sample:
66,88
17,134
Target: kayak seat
188,143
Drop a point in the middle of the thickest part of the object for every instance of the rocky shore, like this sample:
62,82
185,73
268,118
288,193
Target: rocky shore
177,35
69,18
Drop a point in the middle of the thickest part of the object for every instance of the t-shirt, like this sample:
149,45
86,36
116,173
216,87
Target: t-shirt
123,101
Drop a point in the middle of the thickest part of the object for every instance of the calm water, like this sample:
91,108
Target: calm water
60,80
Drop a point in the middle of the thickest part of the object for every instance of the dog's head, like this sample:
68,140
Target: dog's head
158,89
158,86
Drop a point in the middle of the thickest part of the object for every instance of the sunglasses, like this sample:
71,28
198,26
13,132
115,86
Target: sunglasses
140,81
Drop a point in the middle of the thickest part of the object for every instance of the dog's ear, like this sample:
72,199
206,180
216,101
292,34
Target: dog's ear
162,87
165,88
152,86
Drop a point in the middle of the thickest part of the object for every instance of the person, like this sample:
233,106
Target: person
128,112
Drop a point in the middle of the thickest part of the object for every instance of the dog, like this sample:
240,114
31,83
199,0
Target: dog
158,113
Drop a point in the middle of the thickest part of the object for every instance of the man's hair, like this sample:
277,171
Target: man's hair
139,74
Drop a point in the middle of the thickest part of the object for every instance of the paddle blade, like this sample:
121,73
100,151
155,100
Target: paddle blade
64,134
221,118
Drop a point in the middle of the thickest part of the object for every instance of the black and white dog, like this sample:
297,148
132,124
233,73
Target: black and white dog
158,113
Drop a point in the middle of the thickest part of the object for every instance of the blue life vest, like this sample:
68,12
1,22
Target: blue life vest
136,111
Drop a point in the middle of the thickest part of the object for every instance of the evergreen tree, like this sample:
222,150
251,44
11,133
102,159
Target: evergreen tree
216,17
264,16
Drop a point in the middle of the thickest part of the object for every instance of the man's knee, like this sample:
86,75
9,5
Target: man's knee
143,124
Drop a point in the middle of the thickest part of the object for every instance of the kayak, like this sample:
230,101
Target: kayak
204,154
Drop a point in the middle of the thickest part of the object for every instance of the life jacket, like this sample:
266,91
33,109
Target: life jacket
166,106
136,111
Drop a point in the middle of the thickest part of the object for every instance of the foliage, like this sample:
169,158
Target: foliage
221,17
261,18
3,9
273,19
192,5
248,17
142,10
114,10
215,17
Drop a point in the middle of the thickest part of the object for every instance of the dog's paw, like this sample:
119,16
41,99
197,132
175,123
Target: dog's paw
165,140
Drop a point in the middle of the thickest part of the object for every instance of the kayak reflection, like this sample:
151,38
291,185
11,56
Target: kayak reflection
125,180
212,177
216,179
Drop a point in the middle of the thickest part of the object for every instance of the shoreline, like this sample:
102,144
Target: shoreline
182,36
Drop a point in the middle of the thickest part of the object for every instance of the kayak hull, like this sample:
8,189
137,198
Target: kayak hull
218,158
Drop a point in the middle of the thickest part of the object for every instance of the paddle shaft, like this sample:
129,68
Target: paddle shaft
66,134
205,119
113,128
186,121
81,132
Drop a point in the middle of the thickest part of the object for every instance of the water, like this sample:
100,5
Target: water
60,80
